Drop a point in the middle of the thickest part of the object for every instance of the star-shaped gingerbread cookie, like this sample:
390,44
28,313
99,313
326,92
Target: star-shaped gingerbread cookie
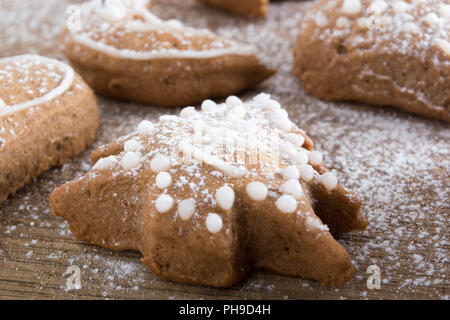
207,195
124,51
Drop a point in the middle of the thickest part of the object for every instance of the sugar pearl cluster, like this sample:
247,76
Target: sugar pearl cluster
213,136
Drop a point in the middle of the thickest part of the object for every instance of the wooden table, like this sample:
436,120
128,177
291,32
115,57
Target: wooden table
398,163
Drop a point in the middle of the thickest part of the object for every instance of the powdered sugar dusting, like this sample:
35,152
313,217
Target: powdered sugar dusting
398,163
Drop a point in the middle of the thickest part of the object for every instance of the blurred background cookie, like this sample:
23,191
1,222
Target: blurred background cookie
124,51
47,115
252,8
388,53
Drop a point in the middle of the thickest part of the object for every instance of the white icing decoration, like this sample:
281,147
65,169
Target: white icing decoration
164,203
315,157
409,27
130,160
292,187
214,222
225,197
186,209
257,191
152,22
444,11
131,145
65,84
105,163
286,203
306,172
145,127
351,6
163,180
283,124
160,163
329,180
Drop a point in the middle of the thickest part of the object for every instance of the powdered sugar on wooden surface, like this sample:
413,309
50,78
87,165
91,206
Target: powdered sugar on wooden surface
398,163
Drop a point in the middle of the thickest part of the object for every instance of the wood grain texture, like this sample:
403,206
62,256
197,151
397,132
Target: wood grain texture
397,162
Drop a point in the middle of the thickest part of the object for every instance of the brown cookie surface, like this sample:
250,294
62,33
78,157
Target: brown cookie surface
210,194
388,53
123,51
252,8
47,115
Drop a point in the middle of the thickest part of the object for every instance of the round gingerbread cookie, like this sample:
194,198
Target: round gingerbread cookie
209,194
388,53
47,115
124,51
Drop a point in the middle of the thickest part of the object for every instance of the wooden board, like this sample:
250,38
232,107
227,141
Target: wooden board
398,163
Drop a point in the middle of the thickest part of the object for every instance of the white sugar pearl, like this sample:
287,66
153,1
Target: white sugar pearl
377,7
272,105
363,23
342,22
164,203
315,157
286,203
409,27
301,157
400,7
168,118
296,139
306,172
329,180
187,112
131,145
257,191
113,11
186,209
432,19
313,224
287,148
233,101
444,11
293,188
261,98
105,163
351,6
290,172
145,127
321,20
283,124
131,160
225,197
208,105
443,45
214,222
174,24
160,163
163,180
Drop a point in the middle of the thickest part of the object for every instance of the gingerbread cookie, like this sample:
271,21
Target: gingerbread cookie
47,115
209,194
124,51
252,8
388,53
